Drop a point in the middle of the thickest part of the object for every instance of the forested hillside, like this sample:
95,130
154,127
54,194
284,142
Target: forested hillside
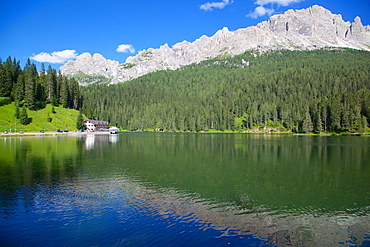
33,89
300,91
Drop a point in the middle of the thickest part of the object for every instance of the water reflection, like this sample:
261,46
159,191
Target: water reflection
89,141
92,139
287,190
113,138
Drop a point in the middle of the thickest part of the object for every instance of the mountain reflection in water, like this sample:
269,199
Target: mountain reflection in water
187,189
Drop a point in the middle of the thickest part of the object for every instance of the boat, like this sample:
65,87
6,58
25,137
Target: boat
113,130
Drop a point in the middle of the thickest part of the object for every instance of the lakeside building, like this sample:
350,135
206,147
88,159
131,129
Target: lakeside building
95,125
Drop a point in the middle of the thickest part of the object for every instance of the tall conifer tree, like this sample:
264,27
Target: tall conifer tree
23,116
80,121
307,126
30,80
18,93
51,87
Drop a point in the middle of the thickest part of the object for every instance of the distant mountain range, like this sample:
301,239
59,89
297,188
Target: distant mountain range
306,29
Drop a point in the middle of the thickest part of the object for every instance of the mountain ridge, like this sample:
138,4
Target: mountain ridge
306,29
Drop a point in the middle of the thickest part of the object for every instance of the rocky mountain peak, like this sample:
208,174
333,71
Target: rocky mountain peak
305,29
91,65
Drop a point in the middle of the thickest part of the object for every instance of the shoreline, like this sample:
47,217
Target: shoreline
17,134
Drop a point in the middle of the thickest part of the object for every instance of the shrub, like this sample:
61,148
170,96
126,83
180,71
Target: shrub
23,117
5,101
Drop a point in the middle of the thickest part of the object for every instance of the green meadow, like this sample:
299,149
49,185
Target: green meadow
43,119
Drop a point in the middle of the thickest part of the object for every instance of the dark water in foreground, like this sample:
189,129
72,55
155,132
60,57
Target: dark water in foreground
185,190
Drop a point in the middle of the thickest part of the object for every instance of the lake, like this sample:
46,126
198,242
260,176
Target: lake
162,189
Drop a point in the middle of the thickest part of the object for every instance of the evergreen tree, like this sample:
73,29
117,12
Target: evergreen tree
23,116
362,124
74,94
317,127
3,81
51,87
307,126
9,72
60,81
18,93
64,93
17,113
334,114
49,119
41,94
80,122
324,114
30,79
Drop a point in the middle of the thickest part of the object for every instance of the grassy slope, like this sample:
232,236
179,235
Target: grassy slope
62,119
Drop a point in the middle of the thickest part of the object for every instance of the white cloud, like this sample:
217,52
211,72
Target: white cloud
261,10
125,48
55,57
219,5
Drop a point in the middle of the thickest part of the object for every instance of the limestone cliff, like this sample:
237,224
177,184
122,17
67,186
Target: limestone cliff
306,29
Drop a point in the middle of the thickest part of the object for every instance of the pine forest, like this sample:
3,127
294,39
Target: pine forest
299,91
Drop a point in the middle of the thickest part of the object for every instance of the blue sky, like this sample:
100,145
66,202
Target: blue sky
53,31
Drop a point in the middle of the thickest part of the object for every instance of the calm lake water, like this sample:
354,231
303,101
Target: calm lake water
145,189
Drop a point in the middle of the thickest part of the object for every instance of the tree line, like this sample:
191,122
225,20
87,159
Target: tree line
33,90
300,91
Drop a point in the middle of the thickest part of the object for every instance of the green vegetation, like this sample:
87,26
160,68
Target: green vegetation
34,101
147,54
34,90
63,118
297,91
127,65
5,101
224,49
89,79
80,121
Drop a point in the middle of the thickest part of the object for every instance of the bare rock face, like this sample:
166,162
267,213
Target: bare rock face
91,65
306,29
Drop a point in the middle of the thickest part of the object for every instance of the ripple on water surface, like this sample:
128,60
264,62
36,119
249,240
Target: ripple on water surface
211,190
112,212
